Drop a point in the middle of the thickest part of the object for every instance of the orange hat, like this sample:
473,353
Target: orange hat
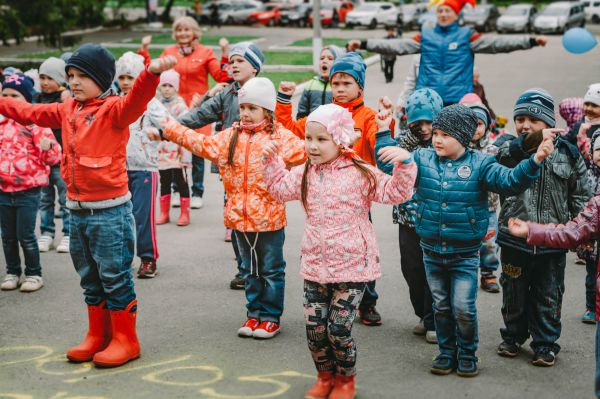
455,5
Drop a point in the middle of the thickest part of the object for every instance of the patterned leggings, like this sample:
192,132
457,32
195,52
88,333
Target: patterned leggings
329,312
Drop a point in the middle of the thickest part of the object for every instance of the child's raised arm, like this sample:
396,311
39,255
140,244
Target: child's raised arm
44,115
283,110
282,184
399,187
199,144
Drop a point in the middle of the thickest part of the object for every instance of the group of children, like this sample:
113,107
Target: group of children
336,161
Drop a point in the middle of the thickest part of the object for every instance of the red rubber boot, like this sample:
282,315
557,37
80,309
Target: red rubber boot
98,335
124,345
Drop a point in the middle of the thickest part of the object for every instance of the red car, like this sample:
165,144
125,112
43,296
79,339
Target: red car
268,14
342,8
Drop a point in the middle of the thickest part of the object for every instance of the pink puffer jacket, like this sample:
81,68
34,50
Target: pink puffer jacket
339,243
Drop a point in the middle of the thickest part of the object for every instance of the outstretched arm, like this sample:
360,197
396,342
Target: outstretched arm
505,44
398,188
44,115
283,185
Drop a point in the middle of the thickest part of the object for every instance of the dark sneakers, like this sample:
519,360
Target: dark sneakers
508,349
489,283
443,365
147,269
544,357
237,283
369,316
467,368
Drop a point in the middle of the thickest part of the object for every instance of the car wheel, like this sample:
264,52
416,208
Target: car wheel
373,24
229,21
350,26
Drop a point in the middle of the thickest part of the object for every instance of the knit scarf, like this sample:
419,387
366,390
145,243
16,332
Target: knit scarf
252,128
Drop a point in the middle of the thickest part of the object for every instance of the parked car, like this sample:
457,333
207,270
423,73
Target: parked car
269,14
517,18
408,14
427,20
296,15
327,12
240,12
592,12
482,17
559,16
372,14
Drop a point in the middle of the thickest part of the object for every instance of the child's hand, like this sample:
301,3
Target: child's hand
353,45
153,134
219,87
393,155
65,95
196,100
146,40
385,103
583,129
518,228
271,149
541,40
169,123
162,64
46,144
551,133
544,150
287,88
384,118
224,44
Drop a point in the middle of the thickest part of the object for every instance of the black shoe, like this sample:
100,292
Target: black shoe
467,368
544,357
237,283
369,316
442,365
147,269
508,349
489,283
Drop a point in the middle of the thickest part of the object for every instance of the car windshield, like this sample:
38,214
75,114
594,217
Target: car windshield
516,11
475,11
367,7
555,11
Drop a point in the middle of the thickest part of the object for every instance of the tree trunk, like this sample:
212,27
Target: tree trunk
165,17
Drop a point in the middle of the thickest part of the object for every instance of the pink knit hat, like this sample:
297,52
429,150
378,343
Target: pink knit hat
571,109
170,77
338,121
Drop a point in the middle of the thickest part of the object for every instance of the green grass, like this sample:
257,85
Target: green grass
208,40
338,41
116,52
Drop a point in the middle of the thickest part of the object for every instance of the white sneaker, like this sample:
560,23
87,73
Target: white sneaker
431,337
11,282
196,203
175,200
45,243
32,283
63,247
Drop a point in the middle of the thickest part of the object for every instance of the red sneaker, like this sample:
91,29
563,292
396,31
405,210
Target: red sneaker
266,330
247,330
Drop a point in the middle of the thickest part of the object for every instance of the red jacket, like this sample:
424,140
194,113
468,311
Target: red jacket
23,164
94,134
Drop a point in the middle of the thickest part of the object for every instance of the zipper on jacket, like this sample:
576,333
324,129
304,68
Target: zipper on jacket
248,143
73,151
539,201
324,93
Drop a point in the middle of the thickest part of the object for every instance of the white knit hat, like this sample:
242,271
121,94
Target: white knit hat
258,91
593,94
54,68
130,64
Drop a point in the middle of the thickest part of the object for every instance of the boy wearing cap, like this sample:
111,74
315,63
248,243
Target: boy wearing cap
452,220
533,277
95,130
52,83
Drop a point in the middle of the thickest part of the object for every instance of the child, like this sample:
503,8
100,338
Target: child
95,125
452,220
257,219
591,122
26,152
245,62
347,76
171,157
421,108
142,167
388,60
571,110
52,83
532,278
339,252
318,90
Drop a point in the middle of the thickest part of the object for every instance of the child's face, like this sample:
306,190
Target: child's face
167,90
592,111
241,69
250,113
446,146
82,86
480,132
184,34
125,83
528,124
319,145
425,128
596,157
446,16
48,85
12,93
325,63
344,88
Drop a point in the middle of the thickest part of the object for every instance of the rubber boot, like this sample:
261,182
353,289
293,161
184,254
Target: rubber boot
165,207
124,345
98,335
184,216
322,387
343,388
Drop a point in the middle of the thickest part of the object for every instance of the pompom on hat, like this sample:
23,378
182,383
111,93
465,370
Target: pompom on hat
338,122
455,5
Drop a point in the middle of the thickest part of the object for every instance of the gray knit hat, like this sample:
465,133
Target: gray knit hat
538,104
54,68
458,121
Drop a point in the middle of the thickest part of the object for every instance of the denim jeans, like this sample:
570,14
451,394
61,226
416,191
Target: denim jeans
597,360
197,176
590,284
263,270
102,247
47,226
532,292
489,248
18,212
143,186
453,282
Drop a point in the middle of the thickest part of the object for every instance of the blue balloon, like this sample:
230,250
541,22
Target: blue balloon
579,40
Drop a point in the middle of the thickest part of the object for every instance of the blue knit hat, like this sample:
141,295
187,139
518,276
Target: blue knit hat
423,105
458,121
336,51
95,61
250,52
351,64
536,103
21,83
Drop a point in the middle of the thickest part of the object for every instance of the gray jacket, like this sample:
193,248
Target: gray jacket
222,107
142,153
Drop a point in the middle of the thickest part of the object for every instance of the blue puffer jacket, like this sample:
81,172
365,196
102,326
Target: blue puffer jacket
451,196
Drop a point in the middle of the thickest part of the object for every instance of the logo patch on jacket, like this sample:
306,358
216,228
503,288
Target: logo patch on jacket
453,46
464,172
89,118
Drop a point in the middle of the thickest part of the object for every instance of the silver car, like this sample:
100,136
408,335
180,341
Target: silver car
517,18
559,16
372,14
410,13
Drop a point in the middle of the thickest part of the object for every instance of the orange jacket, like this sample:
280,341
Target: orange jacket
250,206
94,136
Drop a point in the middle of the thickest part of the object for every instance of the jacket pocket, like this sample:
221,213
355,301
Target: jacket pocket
95,162
471,219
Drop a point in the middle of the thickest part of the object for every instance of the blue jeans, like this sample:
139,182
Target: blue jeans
47,226
452,279
102,245
143,186
18,211
263,270
489,248
197,176
597,360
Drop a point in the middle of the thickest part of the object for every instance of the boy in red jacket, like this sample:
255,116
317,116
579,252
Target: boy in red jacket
95,130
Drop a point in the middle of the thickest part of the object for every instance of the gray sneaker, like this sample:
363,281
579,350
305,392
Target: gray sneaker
419,329
32,283
11,282
431,337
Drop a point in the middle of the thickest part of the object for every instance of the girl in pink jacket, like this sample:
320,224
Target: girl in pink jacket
339,251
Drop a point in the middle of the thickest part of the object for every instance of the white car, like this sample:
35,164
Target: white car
517,18
559,17
592,12
372,14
